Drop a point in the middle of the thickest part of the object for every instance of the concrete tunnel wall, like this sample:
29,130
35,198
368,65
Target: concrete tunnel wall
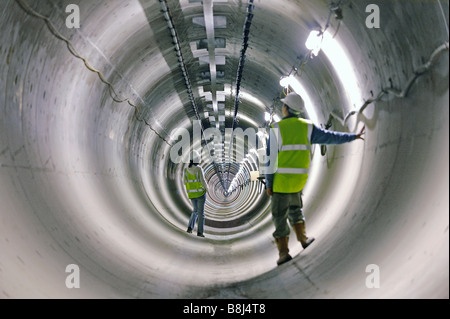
83,182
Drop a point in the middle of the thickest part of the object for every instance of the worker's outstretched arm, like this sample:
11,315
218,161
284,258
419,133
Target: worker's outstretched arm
320,136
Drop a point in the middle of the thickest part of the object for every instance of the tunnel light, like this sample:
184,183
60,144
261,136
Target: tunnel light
314,42
267,116
285,81
340,61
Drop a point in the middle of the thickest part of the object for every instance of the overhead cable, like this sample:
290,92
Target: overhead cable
242,57
421,70
189,89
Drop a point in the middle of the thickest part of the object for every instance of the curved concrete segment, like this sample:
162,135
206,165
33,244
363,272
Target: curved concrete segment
93,205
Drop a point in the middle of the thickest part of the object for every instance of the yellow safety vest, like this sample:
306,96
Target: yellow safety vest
193,185
294,149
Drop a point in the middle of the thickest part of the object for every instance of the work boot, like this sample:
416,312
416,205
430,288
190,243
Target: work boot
189,230
282,245
300,231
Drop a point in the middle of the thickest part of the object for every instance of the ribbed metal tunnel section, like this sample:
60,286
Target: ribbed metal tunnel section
88,181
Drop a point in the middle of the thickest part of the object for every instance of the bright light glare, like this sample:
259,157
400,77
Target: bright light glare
314,42
267,116
340,62
344,68
252,99
284,81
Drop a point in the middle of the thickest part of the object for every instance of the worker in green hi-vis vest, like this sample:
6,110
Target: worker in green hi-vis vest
196,187
289,147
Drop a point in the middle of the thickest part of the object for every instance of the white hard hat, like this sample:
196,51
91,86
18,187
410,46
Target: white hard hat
294,102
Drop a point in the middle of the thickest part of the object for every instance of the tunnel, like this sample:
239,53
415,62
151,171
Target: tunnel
101,100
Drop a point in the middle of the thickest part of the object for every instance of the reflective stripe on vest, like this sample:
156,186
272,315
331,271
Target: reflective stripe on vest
283,170
194,187
294,146
195,190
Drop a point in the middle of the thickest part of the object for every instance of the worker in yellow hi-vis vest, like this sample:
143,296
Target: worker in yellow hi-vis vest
289,147
196,187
